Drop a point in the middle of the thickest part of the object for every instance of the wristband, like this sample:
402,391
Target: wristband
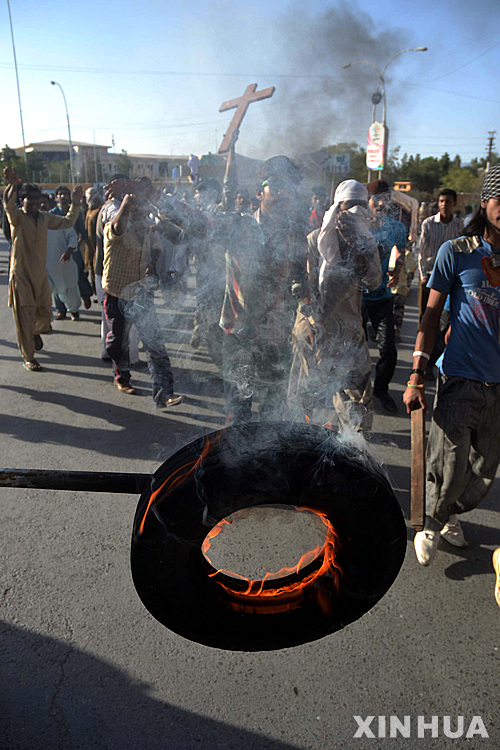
417,371
414,385
421,354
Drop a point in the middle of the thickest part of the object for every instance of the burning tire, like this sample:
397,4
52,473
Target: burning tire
265,464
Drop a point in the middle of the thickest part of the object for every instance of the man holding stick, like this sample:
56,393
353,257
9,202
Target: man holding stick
463,451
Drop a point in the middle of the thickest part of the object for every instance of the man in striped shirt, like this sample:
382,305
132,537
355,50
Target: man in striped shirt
435,231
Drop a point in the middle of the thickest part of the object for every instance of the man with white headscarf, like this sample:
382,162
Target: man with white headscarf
329,341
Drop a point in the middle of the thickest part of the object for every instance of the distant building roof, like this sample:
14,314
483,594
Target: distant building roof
62,143
168,157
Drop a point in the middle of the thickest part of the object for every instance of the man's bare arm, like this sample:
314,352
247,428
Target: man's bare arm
9,196
119,221
414,395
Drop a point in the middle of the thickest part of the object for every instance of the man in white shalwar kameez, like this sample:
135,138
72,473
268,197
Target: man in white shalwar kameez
62,275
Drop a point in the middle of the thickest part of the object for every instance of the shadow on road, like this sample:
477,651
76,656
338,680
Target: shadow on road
56,696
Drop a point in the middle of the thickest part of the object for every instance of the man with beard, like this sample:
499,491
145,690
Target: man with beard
463,450
265,256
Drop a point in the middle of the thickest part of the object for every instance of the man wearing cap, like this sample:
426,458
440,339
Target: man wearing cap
378,304
463,450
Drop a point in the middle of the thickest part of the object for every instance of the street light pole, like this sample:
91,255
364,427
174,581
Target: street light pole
377,97
70,149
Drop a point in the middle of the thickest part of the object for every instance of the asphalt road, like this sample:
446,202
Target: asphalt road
83,664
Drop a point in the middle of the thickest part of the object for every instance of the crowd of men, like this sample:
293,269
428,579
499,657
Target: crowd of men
285,301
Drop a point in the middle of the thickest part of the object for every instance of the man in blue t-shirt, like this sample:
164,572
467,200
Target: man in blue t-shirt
378,305
463,450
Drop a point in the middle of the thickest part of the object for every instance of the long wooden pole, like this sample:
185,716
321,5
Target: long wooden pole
18,87
418,469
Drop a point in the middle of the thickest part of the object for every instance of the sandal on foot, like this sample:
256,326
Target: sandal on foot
33,365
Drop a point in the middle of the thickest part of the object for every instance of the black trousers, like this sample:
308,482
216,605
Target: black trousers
380,313
255,367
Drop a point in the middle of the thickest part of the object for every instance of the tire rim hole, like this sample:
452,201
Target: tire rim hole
265,543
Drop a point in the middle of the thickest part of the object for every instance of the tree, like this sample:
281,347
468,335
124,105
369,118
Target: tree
8,158
462,180
124,163
445,162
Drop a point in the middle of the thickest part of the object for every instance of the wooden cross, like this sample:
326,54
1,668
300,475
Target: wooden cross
241,105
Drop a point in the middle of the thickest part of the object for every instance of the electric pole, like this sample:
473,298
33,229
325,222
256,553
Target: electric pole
489,149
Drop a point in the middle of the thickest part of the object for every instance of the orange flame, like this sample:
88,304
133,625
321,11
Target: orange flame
176,478
329,567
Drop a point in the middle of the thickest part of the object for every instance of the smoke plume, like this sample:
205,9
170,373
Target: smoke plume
319,103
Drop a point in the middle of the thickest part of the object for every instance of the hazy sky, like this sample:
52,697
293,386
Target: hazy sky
153,74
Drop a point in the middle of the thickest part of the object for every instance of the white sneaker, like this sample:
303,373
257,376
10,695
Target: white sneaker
496,565
426,544
453,533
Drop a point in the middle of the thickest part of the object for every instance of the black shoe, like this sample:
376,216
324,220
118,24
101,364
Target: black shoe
37,340
75,316
387,402
87,302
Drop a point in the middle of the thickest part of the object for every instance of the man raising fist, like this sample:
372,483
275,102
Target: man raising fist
29,291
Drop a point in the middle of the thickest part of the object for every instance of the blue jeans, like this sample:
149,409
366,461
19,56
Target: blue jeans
141,312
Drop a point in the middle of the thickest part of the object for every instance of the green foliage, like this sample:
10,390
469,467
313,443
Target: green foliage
8,158
427,175
57,172
124,163
463,180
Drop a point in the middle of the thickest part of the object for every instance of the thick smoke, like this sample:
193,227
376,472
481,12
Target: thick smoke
307,113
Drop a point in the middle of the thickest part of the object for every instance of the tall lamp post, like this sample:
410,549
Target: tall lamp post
70,148
377,97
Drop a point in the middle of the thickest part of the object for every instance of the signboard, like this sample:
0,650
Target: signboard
375,148
403,185
339,163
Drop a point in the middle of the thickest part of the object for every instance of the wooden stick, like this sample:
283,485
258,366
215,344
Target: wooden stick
418,469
